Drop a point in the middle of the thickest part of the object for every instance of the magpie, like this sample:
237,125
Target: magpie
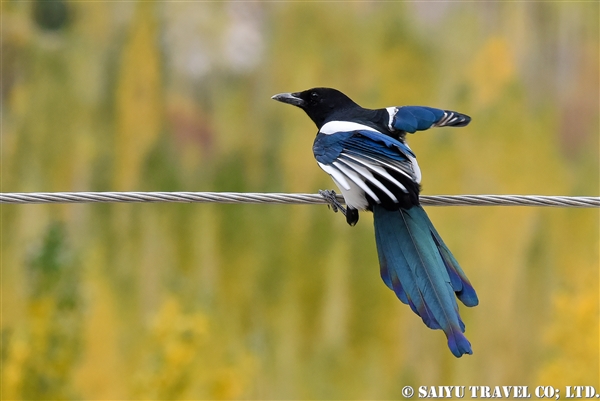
366,154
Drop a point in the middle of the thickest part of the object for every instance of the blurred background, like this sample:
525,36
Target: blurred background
171,301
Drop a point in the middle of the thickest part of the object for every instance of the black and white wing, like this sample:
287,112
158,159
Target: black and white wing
369,168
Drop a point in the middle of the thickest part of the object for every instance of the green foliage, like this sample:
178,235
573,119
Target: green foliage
40,355
168,301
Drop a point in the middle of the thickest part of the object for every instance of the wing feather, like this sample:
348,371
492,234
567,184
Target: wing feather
367,161
337,175
382,172
360,182
375,167
371,178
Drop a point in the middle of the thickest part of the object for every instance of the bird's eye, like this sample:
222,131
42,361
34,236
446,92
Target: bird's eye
314,95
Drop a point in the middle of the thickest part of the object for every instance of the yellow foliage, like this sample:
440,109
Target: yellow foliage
492,68
575,356
183,359
139,114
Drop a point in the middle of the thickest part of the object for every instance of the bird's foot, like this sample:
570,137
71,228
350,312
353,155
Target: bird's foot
331,198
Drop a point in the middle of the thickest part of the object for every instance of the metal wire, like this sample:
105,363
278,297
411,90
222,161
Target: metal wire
285,198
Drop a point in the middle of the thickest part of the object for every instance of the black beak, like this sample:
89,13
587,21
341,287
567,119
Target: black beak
290,98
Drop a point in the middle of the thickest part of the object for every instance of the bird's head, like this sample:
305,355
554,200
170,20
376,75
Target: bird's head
321,104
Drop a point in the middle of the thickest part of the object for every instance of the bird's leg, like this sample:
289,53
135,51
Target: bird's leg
350,213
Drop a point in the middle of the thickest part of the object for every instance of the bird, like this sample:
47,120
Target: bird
366,154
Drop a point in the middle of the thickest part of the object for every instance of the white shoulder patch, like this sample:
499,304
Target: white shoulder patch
333,127
392,112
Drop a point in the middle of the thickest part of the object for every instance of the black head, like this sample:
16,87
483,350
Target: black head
321,104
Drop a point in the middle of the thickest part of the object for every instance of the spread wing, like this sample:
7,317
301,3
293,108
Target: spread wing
418,118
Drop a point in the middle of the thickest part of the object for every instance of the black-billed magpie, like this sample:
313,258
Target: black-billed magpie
366,154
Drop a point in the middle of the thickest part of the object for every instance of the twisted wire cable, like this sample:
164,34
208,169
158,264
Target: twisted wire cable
287,198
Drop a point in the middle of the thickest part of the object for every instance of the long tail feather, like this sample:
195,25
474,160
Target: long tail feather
419,268
460,283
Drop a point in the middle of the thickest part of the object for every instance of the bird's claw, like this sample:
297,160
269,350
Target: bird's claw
332,202
350,213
